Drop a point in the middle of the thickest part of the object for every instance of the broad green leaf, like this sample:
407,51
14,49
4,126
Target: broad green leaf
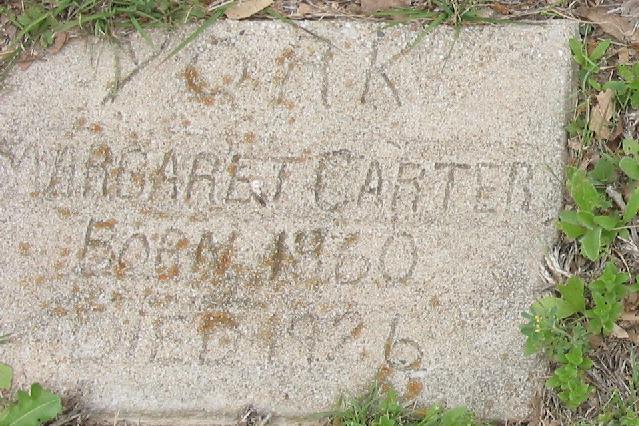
572,231
598,52
610,272
606,222
548,304
573,293
632,206
594,83
630,167
32,409
604,170
616,85
553,382
6,376
569,216
591,243
576,47
586,219
570,224
625,72
607,237
630,146
584,192
575,356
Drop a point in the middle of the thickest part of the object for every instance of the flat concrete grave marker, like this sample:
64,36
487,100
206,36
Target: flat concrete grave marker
273,218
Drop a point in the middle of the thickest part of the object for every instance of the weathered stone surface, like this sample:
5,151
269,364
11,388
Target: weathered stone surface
274,218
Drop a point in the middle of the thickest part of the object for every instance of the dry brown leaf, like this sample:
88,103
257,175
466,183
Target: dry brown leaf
25,61
10,31
575,144
630,8
630,317
370,6
613,24
623,55
305,9
619,332
617,132
500,8
601,114
595,341
247,8
59,42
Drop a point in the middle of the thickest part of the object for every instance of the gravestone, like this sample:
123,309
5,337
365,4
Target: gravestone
278,216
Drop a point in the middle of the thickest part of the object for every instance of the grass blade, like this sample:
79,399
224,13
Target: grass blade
141,31
217,14
277,15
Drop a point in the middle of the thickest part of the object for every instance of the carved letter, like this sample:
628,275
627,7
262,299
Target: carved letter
133,162
373,184
167,261
484,202
161,177
412,181
97,256
206,179
98,164
134,253
523,182
337,160
450,179
403,250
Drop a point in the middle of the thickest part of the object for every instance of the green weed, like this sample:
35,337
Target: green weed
627,88
36,407
591,223
452,12
6,375
596,222
31,408
589,67
383,408
620,411
560,327
588,63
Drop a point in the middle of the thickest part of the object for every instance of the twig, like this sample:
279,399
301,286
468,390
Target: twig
616,197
